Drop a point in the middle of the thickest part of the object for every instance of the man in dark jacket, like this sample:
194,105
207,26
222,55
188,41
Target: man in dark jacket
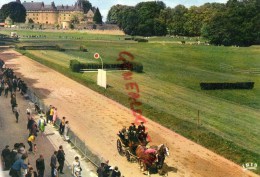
115,172
53,163
6,155
61,159
40,166
101,170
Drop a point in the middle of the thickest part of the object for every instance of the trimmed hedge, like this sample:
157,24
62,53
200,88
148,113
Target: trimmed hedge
76,66
47,47
226,85
136,39
129,38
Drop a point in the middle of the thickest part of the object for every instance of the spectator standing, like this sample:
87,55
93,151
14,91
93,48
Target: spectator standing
55,115
14,153
21,151
41,125
66,129
48,114
6,155
16,113
76,168
30,123
53,163
61,159
14,84
106,168
51,114
31,173
13,101
115,172
101,170
40,166
6,87
18,166
30,142
62,126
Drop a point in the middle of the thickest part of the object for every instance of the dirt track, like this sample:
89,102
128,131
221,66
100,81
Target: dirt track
96,119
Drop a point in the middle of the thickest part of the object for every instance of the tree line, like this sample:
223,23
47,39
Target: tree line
233,23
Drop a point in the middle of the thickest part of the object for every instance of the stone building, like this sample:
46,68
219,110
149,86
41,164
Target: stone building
41,13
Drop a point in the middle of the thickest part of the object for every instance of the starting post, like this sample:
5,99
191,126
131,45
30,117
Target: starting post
102,74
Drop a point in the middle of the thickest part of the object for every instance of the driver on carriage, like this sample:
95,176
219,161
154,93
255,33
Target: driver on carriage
133,139
123,134
142,135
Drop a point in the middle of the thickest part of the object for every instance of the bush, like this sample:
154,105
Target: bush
217,86
83,48
137,67
59,48
75,65
129,38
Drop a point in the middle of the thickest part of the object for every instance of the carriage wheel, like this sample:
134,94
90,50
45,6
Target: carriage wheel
119,147
128,156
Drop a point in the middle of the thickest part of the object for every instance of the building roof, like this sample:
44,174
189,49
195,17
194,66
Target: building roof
69,8
90,13
40,6
33,6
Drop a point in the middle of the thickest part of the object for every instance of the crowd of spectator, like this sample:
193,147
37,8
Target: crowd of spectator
16,160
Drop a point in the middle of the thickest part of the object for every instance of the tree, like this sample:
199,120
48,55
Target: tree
1,16
114,12
97,17
15,11
76,17
128,20
86,5
178,20
236,25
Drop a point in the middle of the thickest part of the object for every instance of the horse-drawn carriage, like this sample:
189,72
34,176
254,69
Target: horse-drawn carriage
137,151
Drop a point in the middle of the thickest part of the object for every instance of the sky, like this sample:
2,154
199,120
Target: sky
105,5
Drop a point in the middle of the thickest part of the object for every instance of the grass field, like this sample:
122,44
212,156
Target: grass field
169,87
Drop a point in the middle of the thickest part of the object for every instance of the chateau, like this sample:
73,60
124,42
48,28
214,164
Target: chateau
40,13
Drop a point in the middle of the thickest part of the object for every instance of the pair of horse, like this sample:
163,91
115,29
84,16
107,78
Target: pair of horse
154,155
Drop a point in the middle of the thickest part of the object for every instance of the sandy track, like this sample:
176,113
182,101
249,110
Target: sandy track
96,119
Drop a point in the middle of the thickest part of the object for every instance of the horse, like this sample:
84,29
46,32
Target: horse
147,157
162,152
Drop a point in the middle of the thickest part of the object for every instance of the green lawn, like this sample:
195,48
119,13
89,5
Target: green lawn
170,89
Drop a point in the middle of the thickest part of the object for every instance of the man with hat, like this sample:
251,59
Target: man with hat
142,135
132,127
141,128
132,132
